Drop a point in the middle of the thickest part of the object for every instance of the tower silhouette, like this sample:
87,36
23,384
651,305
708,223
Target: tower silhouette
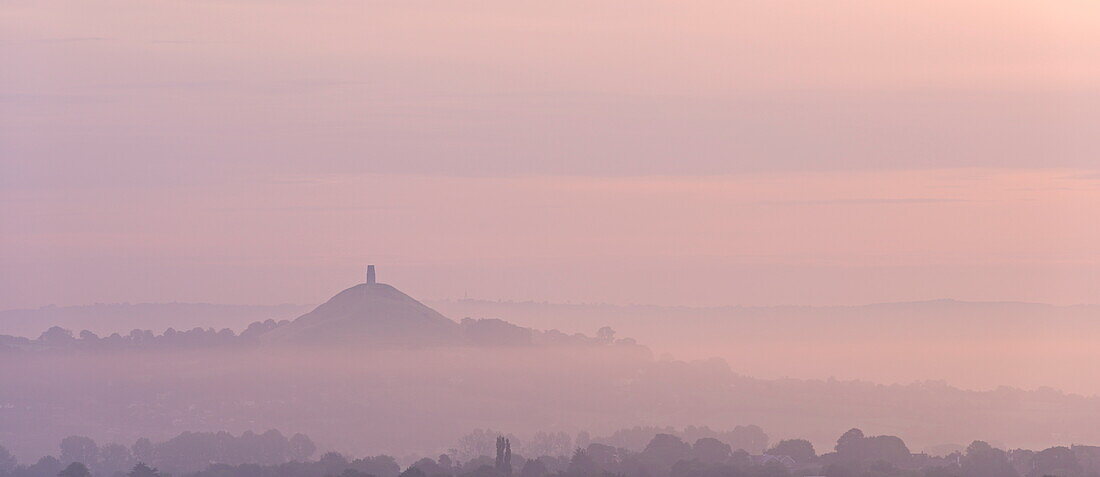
371,280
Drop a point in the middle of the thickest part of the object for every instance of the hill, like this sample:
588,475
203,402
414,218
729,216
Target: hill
368,313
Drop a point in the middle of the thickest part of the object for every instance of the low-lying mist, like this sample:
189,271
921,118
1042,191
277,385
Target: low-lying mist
372,370
421,400
972,345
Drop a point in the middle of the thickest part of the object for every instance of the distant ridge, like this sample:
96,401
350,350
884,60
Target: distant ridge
107,318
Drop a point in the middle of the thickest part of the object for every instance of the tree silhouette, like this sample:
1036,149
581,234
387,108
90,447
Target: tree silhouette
504,456
301,447
76,469
711,451
142,470
79,449
800,450
7,462
534,468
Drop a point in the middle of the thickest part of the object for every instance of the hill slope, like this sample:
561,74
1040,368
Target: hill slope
369,314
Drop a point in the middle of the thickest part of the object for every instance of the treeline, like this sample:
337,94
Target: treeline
665,455
57,338
188,452
474,332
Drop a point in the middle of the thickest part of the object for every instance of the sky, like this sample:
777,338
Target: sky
662,152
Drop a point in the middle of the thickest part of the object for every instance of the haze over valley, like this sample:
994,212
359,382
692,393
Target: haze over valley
971,345
508,238
373,357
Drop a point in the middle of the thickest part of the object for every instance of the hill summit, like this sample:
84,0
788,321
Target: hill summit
369,313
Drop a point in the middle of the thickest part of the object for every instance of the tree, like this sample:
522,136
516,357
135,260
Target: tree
751,438
848,445
605,335
549,443
142,470
476,444
114,458
888,448
583,439
582,465
76,469
504,456
380,466
740,458
771,469
801,450
431,468
48,465
950,470
301,447
79,449
56,336
854,447
143,450
711,451
982,460
837,470
534,468
688,468
333,463
664,451
604,456
7,462
1055,461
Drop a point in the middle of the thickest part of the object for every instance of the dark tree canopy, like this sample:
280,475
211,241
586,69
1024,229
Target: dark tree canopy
982,460
7,462
800,450
75,469
142,470
666,454
79,449
711,451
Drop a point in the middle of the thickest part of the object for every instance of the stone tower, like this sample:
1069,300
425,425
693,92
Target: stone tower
371,280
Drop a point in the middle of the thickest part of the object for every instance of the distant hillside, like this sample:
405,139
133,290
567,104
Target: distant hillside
104,319
373,313
1026,345
369,315
330,374
977,345
1003,343
585,315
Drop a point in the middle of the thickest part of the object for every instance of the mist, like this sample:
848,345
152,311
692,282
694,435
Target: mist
656,238
417,384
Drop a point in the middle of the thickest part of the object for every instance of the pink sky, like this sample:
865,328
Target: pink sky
699,153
